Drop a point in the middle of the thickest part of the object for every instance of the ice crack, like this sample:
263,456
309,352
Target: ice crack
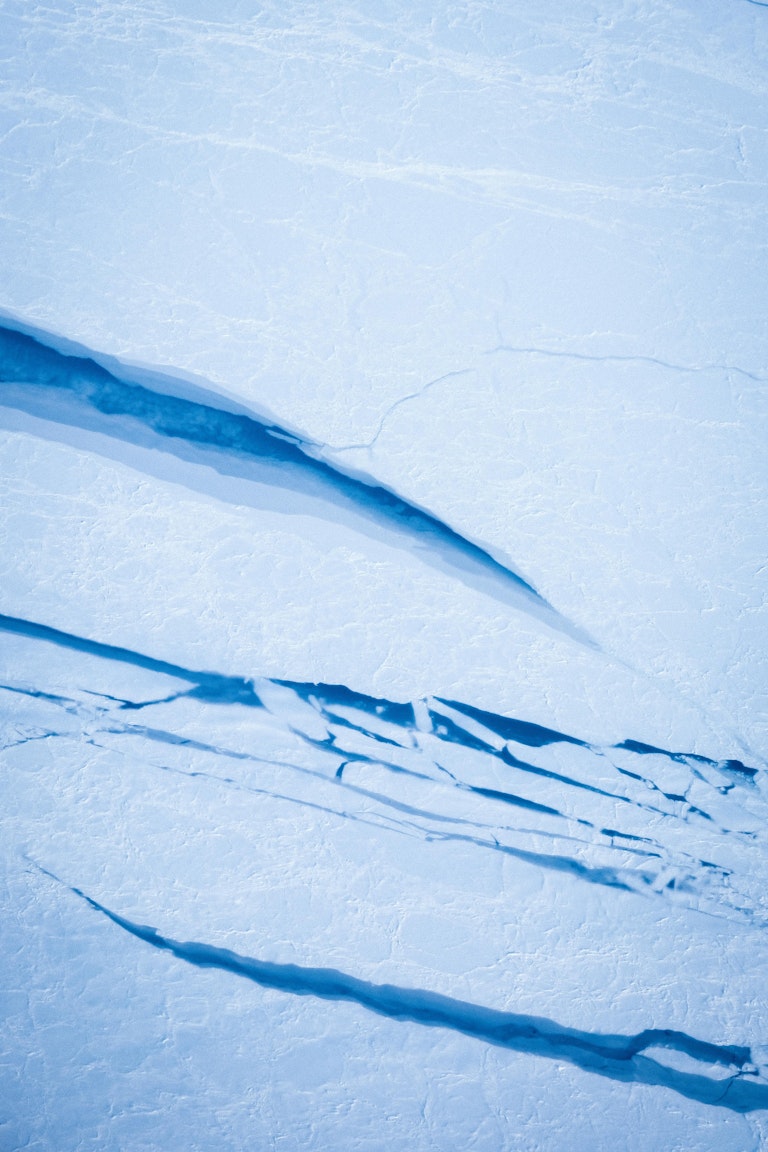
616,1057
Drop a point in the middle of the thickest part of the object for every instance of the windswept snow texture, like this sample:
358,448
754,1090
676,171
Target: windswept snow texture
383,576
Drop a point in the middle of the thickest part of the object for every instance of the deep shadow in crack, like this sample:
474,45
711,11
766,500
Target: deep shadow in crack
626,879
331,696
616,1057
326,698
735,766
623,879
521,731
80,392
216,688
210,686
446,729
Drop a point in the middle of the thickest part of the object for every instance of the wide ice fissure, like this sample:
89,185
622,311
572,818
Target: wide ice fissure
28,369
615,1057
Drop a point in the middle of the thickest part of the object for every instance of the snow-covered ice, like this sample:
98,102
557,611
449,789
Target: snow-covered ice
382,628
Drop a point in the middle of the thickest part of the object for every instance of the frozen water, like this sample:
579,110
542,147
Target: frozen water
382,648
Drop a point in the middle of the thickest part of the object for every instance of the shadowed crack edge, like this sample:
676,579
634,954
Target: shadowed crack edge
219,688
30,363
222,688
616,1057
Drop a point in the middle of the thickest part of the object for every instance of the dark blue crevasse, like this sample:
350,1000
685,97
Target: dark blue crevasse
516,801
330,696
534,736
641,749
521,731
737,767
616,1057
446,729
210,686
216,687
606,876
29,363
734,766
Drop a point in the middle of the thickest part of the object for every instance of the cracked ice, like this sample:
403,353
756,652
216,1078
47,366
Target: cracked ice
382,629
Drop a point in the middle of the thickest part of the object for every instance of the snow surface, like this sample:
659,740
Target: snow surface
383,424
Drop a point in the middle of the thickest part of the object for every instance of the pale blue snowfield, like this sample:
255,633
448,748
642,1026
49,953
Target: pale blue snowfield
383,646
